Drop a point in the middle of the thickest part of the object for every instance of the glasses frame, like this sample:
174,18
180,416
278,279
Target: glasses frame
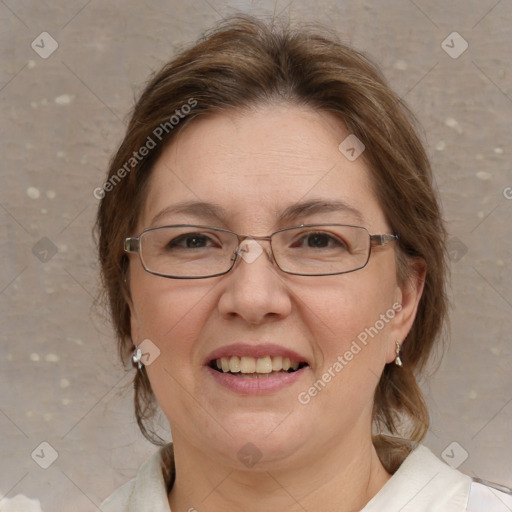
133,245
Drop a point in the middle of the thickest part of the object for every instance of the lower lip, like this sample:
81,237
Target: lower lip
256,385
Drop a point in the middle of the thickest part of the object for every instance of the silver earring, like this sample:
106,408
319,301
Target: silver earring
137,357
398,361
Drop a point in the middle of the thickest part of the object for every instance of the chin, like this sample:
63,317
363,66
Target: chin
262,443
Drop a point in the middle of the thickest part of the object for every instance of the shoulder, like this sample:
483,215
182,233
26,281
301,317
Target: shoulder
148,491
423,483
489,497
118,501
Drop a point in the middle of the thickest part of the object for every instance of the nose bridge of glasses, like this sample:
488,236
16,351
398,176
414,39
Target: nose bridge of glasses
249,248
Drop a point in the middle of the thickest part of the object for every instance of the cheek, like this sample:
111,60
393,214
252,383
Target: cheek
169,312
172,315
351,340
350,325
339,311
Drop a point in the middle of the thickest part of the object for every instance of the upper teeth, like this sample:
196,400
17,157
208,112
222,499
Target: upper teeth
246,364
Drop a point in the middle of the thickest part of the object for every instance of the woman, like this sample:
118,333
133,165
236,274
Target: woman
274,258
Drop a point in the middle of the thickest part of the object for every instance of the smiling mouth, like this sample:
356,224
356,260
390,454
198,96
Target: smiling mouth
252,367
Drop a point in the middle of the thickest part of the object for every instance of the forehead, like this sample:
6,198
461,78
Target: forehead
254,167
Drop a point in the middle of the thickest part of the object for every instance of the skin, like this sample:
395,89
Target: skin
315,457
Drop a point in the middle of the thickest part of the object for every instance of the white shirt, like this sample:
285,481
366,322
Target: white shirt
422,483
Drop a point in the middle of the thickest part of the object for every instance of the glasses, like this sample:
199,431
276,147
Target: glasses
187,251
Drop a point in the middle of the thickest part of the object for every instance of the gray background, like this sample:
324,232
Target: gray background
63,116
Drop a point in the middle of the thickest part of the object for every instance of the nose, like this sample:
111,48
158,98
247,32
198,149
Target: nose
254,290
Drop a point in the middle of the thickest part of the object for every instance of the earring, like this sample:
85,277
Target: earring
398,361
136,357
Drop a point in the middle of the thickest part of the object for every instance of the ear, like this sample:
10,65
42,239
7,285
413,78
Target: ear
408,295
136,316
135,327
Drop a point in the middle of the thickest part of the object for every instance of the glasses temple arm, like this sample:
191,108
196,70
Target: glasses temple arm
131,245
383,239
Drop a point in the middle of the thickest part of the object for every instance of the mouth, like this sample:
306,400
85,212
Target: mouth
256,368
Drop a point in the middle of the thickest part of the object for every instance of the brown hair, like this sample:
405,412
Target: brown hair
245,62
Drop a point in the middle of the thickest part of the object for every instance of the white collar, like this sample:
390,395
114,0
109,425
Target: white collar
422,484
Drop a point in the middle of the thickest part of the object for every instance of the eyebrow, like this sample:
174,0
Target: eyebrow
195,208
215,212
315,206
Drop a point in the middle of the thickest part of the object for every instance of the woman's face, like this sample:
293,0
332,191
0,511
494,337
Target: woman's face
253,167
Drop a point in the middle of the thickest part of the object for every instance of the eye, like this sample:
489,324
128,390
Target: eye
319,240
191,241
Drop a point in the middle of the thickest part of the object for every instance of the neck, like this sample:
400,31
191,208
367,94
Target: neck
341,478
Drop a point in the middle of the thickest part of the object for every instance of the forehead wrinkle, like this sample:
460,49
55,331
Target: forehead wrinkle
215,212
202,209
